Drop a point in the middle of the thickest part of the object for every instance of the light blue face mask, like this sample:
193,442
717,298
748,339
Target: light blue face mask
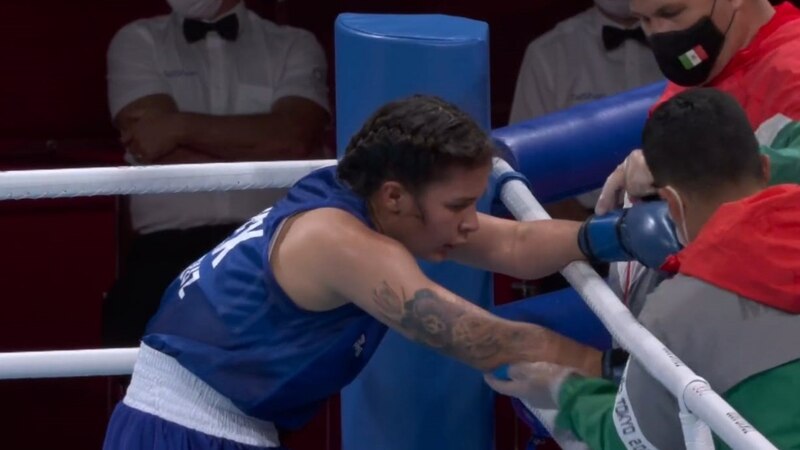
681,232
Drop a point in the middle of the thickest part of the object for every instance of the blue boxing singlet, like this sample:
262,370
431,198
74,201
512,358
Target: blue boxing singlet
228,321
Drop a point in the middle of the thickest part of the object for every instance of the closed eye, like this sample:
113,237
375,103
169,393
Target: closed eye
461,205
458,208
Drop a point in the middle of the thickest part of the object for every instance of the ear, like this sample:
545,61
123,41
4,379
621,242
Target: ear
393,197
673,204
766,167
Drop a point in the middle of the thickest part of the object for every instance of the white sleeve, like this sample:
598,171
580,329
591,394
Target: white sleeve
533,93
132,71
305,74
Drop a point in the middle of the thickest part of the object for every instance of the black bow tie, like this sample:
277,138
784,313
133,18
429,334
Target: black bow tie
613,37
227,28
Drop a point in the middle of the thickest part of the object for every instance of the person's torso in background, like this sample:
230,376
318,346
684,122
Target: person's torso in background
218,77
572,66
569,65
764,75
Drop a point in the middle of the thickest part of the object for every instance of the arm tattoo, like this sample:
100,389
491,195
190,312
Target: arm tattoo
444,325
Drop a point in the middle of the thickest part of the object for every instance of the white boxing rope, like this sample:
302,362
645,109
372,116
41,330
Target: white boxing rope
692,392
662,364
695,432
67,363
84,182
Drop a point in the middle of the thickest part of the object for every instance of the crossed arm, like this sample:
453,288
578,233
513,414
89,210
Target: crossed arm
155,131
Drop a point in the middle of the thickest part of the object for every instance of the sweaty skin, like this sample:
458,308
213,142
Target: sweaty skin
361,265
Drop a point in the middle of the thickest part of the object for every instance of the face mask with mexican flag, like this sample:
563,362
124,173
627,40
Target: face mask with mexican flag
686,57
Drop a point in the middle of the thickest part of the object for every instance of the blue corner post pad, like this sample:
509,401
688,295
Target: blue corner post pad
384,57
573,150
381,58
564,312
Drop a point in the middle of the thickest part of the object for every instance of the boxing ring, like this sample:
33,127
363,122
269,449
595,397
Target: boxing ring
695,397
550,151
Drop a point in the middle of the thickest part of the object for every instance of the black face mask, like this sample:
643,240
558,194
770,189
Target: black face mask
686,57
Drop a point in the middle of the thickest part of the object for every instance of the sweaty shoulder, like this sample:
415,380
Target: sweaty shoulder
324,225
332,233
316,245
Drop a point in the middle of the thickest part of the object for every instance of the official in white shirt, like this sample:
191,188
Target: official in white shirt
210,82
596,53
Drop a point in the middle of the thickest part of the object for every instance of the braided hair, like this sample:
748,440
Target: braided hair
412,141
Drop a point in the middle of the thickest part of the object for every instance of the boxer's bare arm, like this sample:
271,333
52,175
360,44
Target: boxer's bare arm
328,258
525,250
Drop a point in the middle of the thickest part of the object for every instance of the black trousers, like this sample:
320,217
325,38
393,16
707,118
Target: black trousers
152,263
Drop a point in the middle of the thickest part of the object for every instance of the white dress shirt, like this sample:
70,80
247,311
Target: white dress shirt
569,65
211,76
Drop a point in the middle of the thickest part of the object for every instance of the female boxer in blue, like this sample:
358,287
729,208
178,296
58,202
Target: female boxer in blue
253,336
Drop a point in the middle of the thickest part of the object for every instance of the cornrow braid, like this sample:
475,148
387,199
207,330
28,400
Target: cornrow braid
412,141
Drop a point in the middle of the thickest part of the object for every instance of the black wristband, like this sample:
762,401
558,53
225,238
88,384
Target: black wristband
613,364
583,241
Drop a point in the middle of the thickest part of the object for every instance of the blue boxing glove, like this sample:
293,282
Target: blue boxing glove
644,232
